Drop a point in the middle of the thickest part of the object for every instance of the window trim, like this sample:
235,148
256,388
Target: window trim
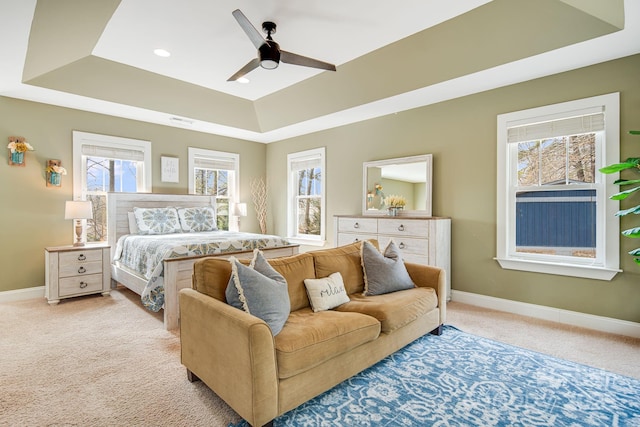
608,225
292,234
110,142
194,152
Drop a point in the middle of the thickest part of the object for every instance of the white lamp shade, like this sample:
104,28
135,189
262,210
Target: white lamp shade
240,209
78,209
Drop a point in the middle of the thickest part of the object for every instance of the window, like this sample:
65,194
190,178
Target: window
104,164
306,197
215,173
554,215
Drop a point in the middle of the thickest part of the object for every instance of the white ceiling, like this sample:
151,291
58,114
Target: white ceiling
207,46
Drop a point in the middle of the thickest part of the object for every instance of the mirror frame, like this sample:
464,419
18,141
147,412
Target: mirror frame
427,158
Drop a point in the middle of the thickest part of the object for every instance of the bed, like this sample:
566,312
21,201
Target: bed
166,265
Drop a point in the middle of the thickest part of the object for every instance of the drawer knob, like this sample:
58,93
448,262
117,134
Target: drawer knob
83,285
82,270
81,257
401,227
356,225
401,245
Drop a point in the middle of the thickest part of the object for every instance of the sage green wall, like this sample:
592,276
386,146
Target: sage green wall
461,135
32,215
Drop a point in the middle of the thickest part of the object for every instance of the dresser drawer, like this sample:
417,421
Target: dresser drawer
348,238
79,285
407,245
416,259
404,227
80,268
358,225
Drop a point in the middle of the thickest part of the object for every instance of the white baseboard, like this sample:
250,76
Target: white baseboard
574,318
22,294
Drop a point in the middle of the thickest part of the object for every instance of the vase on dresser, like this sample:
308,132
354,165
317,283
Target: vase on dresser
394,210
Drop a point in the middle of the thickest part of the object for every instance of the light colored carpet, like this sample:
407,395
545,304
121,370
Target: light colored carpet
107,361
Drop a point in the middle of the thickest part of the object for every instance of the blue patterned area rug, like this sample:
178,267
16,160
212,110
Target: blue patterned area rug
459,379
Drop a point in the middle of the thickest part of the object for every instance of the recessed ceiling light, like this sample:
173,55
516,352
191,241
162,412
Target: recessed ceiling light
243,80
161,52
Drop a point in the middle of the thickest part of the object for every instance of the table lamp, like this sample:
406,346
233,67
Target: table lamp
78,210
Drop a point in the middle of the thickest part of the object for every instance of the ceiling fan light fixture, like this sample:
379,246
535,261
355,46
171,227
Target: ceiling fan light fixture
268,64
269,54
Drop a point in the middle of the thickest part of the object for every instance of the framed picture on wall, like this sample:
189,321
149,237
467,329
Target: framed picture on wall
169,169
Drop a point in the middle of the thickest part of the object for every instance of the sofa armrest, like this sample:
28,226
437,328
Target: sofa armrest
232,352
432,277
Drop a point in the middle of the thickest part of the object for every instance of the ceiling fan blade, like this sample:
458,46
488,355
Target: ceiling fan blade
251,65
295,59
251,31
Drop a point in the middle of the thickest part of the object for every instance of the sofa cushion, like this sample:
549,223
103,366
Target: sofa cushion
295,269
308,339
260,291
393,310
345,260
384,273
327,292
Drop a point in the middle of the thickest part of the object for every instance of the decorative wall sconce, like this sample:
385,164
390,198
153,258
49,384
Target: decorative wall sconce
17,147
54,172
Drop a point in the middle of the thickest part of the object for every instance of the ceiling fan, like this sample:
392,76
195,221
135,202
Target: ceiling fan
269,52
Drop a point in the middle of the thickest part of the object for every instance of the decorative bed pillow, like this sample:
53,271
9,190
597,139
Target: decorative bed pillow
384,273
197,219
157,220
326,293
259,290
133,227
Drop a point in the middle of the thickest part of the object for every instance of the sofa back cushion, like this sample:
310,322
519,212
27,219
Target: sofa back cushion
211,276
345,260
295,269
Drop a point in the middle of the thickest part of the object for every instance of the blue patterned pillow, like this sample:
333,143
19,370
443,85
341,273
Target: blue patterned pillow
259,290
157,220
384,273
197,219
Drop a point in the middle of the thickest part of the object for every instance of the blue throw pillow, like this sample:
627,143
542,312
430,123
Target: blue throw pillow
384,273
259,290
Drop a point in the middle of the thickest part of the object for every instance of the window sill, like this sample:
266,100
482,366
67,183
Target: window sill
573,270
307,242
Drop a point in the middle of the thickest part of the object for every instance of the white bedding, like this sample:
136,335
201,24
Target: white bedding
145,254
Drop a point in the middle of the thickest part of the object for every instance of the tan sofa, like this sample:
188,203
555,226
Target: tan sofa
261,376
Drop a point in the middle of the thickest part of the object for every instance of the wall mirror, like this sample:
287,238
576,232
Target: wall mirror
409,177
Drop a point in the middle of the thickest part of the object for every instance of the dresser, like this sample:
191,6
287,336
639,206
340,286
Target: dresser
422,240
71,271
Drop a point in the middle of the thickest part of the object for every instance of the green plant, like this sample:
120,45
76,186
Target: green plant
632,164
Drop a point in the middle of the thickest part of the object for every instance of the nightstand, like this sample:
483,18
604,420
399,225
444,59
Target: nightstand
71,271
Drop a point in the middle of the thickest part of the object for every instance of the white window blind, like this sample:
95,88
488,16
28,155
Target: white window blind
214,163
306,163
562,127
112,153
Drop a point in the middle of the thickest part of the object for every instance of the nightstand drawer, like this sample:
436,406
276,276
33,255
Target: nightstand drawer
74,257
80,268
80,285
